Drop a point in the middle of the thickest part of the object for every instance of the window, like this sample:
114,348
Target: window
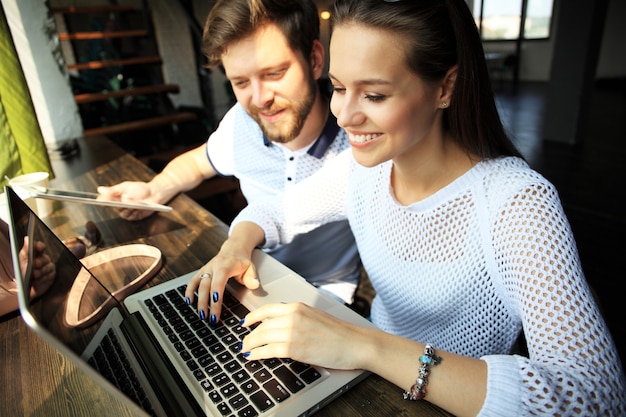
500,19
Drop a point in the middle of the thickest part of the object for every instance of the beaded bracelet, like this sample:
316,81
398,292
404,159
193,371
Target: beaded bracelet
428,359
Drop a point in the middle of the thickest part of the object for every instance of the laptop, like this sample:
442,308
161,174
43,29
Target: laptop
151,347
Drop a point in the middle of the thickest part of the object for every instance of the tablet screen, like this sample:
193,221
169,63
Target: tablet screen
91,198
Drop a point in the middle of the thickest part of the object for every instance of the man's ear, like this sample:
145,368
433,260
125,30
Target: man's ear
318,55
447,87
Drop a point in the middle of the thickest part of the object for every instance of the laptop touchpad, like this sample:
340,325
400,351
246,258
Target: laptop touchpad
277,291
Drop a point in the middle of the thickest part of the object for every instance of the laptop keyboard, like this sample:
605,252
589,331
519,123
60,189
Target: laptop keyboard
237,386
111,361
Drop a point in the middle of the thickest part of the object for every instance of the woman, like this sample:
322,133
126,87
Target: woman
465,245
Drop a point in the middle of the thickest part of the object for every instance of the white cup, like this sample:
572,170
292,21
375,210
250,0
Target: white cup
4,208
41,206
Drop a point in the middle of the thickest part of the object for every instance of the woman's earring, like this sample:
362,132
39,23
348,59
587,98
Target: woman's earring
444,104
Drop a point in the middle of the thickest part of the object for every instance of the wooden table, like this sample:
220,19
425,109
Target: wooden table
36,379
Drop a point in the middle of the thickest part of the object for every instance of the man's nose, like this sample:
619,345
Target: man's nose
262,95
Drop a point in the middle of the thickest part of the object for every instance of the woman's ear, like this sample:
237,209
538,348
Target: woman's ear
447,87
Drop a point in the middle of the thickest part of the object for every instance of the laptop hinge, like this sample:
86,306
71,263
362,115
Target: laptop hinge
176,399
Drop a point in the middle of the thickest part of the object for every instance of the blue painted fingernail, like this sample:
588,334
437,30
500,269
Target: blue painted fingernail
213,319
239,346
246,354
202,316
216,296
187,300
242,321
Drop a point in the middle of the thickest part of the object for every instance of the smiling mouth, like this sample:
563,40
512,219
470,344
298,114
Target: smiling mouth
363,138
270,114
271,117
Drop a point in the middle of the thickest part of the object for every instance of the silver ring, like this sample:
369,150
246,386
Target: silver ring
205,275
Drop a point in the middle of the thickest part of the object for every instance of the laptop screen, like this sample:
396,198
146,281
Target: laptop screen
67,299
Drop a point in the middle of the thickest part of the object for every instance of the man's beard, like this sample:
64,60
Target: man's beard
291,123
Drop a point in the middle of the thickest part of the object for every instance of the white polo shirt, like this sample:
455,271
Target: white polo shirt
327,257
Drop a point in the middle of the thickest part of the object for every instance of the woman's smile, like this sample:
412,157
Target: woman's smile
360,139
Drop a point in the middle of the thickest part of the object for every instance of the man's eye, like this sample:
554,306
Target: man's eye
275,75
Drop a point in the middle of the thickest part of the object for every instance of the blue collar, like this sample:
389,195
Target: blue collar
326,138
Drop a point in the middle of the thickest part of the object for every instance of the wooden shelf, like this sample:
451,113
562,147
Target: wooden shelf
93,9
135,91
141,124
116,62
117,41
86,36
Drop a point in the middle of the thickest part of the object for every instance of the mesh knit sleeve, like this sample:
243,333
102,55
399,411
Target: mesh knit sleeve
573,368
317,200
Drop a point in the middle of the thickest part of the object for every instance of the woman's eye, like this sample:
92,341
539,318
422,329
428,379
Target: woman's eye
375,97
338,90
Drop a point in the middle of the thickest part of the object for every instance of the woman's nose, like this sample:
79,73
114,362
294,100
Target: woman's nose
346,111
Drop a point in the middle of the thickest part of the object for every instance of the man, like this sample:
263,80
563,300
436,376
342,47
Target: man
279,132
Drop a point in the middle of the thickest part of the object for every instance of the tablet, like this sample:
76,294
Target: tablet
90,198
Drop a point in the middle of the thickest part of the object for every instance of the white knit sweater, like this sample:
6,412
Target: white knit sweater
467,269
